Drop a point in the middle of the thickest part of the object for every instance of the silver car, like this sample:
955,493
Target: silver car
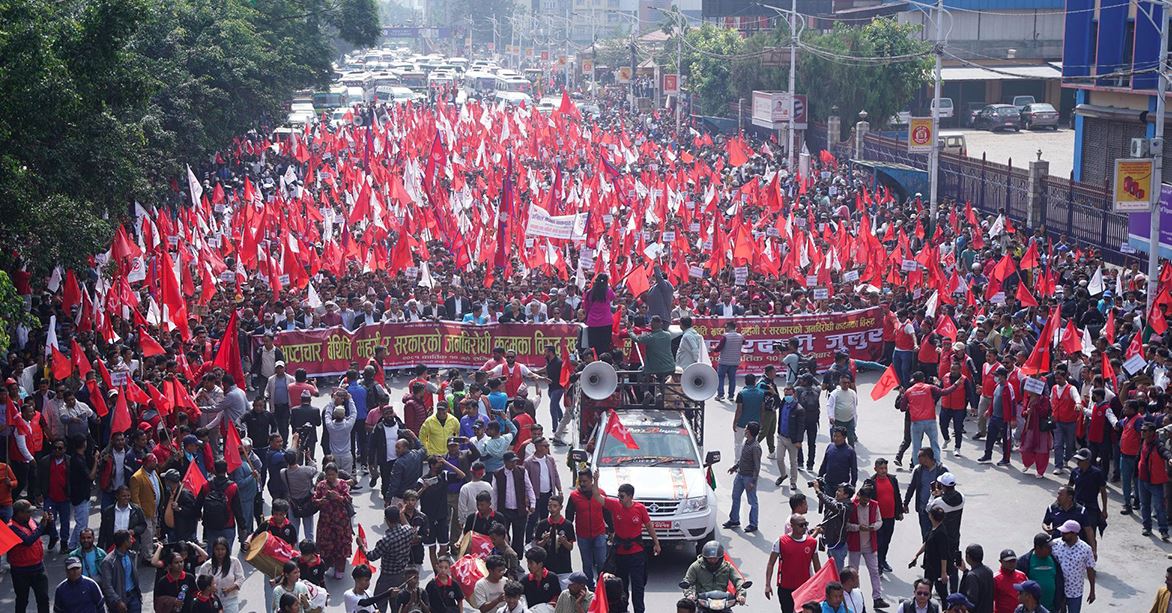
1039,115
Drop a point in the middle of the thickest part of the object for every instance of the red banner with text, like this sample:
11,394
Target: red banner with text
331,351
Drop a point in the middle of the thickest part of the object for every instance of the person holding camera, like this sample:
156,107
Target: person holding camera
834,519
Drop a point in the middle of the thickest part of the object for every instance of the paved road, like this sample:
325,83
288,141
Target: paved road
1022,147
1004,509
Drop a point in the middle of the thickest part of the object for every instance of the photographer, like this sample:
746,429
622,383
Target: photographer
834,518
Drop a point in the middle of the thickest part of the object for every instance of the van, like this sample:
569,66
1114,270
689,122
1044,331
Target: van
1022,101
946,108
952,143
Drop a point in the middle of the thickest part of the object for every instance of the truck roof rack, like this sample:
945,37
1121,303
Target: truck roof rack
634,392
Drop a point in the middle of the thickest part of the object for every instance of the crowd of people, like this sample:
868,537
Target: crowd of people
152,386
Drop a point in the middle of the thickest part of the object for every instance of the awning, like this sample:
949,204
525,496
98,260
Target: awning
999,73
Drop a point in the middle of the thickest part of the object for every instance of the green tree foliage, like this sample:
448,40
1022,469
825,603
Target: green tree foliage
102,102
708,66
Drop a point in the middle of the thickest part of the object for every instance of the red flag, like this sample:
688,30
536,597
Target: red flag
62,367
360,559
104,373
1109,327
96,400
637,281
1108,372
1039,360
12,412
1025,297
228,355
619,432
947,328
1071,341
150,347
79,359
617,320
121,420
232,448
8,538
1156,320
599,604
1135,347
731,589
71,294
194,480
1031,258
887,382
564,380
815,587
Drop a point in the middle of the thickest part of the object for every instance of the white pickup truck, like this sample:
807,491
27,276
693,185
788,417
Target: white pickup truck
667,472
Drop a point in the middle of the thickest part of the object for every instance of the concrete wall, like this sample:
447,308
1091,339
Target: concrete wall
1033,34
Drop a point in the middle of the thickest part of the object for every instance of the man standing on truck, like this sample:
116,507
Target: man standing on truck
630,519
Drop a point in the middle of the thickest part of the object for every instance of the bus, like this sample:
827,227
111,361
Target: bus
332,99
514,84
415,80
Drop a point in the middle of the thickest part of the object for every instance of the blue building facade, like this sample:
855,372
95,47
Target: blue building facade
1110,54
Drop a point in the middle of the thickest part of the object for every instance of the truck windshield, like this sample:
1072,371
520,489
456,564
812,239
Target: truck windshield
659,445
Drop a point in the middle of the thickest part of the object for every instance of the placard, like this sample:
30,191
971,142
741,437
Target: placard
821,293
607,218
669,236
1036,386
1134,364
811,280
694,226
741,274
695,272
909,265
850,276
227,276
412,272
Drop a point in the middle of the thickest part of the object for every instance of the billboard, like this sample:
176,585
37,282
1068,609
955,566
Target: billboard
920,138
1133,191
771,110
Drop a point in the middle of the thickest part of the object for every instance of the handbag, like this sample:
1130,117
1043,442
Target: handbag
301,507
1046,424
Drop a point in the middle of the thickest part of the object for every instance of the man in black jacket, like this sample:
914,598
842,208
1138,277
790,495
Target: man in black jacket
457,305
977,582
121,511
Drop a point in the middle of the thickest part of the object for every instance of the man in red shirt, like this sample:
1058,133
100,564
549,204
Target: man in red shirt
988,383
921,408
1065,402
630,519
798,553
1004,594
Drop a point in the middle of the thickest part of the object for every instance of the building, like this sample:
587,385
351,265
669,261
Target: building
1109,60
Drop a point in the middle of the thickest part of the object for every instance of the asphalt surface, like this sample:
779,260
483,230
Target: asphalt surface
1057,147
1003,509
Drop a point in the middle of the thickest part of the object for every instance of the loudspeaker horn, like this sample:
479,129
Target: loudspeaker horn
699,381
599,380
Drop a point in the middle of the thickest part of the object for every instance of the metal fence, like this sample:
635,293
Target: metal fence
1079,213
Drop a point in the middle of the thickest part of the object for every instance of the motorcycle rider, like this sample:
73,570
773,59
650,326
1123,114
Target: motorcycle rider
712,573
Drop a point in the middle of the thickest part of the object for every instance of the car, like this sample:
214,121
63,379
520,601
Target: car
998,117
515,98
589,109
953,143
1022,101
1039,115
946,108
549,104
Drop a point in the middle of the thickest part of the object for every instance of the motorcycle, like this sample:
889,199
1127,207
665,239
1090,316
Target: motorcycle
715,600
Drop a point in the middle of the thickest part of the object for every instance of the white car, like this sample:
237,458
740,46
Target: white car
667,472
548,104
515,98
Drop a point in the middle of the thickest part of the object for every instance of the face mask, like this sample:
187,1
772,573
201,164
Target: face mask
789,398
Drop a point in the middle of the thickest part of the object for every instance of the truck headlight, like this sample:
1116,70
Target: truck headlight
692,505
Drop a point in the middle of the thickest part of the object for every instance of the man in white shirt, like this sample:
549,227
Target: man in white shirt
692,349
514,498
489,593
842,408
466,504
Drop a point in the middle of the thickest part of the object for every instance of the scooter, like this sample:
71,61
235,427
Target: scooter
715,600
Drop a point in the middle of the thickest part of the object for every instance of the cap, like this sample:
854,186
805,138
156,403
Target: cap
955,600
842,353
144,426
1042,538
947,480
1007,554
522,390
579,578
1070,526
171,475
72,562
478,425
509,456
279,364
453,440
306,394
10,381
191,439
1029,586
1083,455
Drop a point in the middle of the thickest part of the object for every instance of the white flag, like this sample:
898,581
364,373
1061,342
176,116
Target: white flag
54,282
51,336
195,187
1087,345
933,301
1095,287
313,300
425,279
998,226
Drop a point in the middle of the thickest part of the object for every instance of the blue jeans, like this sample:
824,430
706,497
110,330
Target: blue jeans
1073,604
1128,464
838,552
747,485
62,510
632,569
304,526
1063,443
1152,496
555,407
926,427
210,536
724,371
905,363
593,553
81,521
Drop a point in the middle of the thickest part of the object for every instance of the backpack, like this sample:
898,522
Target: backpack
216,513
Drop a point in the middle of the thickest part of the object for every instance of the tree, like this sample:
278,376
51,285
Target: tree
104,101
708,54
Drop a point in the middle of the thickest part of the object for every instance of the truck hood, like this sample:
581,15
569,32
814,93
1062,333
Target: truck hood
655,482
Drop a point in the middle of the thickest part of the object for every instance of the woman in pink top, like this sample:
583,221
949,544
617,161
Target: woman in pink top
598,315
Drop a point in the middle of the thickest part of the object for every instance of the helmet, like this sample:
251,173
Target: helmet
712,549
